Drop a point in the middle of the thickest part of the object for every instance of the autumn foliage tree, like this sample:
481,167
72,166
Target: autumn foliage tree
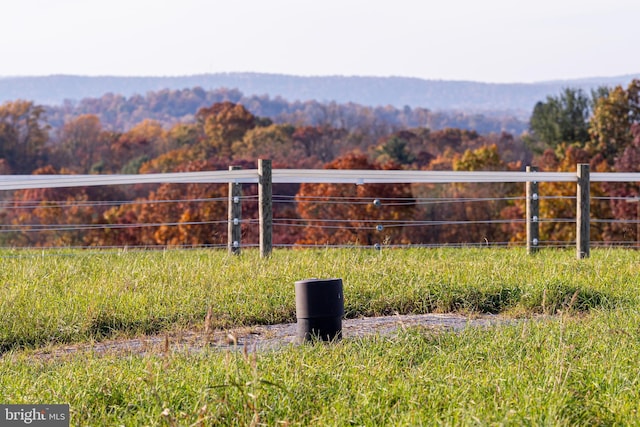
82,144
171,215
347,214
140,144
273,142
212,137
320,144
613,119
469,213
622,193
55,216
558,204
23,135
223,124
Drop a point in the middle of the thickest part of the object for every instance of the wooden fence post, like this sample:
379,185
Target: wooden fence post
533,213
264,206
234,211
582,211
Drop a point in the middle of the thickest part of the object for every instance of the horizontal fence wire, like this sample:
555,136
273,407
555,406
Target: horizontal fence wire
30,228
32,204
390,201
366,224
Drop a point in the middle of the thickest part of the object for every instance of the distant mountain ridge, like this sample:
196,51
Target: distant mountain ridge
514,98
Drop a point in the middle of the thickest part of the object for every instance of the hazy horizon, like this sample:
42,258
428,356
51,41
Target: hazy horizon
579,79
496,41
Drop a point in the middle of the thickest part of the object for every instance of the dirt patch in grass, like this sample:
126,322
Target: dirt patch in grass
268,337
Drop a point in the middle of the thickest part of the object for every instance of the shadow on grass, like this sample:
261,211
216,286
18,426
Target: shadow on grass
497,300
103,326
107,325
477,301
547,300
563,298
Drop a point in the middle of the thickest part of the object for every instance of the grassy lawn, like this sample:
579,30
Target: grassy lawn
577,367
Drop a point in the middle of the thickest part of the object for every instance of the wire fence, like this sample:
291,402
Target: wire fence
455,209
416,230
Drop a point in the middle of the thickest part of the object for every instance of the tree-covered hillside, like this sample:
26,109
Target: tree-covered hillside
169,106
472,97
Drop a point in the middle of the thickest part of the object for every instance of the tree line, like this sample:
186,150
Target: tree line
566,129
171,106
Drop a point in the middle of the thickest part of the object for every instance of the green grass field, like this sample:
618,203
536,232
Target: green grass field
576,366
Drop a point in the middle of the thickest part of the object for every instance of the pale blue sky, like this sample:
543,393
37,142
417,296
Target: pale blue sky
488,40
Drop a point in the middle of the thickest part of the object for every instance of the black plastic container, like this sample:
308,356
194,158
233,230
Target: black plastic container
319,309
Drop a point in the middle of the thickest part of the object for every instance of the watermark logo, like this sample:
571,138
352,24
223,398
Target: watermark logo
34,415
